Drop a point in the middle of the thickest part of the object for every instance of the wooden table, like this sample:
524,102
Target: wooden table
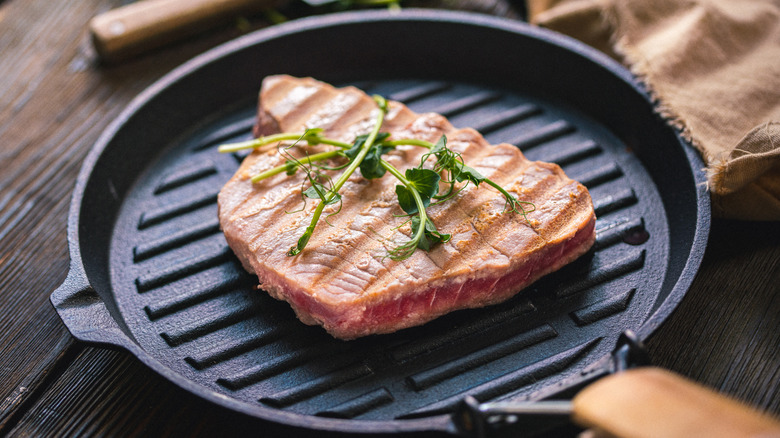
55,99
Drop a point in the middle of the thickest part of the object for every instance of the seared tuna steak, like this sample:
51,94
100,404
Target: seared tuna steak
343,279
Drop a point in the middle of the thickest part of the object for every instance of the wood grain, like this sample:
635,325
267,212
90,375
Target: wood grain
110,393
55,100
138,27
651,402
726,332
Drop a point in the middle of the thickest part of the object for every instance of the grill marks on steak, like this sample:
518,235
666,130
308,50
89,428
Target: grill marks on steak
342,280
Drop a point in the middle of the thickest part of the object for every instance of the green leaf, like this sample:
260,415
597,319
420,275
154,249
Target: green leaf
464,172
291,167
434,235
405,199
448,160
425,181
313,136
352,152
431,236
302,241
319,191
440,145
371,166
445,158
360,140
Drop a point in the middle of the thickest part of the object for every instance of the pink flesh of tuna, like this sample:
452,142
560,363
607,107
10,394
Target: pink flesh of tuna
343,279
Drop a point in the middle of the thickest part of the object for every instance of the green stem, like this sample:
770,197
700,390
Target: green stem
260,141
336,143
286,167
310,136
410,142
417,200
510,199
499,188
353,165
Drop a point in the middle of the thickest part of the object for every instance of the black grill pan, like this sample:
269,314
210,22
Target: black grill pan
151,272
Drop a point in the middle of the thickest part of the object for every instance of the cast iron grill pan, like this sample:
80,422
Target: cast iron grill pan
149,257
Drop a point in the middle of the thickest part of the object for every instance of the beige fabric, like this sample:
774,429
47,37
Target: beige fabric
714,67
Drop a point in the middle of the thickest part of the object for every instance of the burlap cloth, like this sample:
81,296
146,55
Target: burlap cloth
714,68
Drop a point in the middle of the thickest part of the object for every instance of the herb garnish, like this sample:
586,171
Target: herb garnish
419,188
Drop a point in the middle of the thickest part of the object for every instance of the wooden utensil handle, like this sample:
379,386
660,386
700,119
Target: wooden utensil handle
651,402
136,27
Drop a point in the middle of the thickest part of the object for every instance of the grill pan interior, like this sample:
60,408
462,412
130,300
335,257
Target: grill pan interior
145,236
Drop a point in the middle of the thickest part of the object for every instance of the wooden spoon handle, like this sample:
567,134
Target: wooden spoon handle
132,29
651,402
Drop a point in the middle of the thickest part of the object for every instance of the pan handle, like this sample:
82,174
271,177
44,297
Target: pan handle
85,313
552,413
136,27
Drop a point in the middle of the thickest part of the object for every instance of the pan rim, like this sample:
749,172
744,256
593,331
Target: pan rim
439,422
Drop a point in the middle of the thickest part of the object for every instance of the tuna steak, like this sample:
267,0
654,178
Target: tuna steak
343,280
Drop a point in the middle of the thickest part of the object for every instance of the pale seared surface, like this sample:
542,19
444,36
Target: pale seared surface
344,269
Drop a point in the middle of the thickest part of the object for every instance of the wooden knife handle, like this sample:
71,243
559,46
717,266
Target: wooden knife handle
132,29
651,402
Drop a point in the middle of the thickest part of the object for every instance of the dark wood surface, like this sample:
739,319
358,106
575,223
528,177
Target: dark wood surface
55,100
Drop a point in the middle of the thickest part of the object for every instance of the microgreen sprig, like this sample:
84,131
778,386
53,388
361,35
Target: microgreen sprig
311,136
414,196
329,196
420,186
452,162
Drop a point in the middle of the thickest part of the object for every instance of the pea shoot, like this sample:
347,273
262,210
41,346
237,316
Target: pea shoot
418,189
